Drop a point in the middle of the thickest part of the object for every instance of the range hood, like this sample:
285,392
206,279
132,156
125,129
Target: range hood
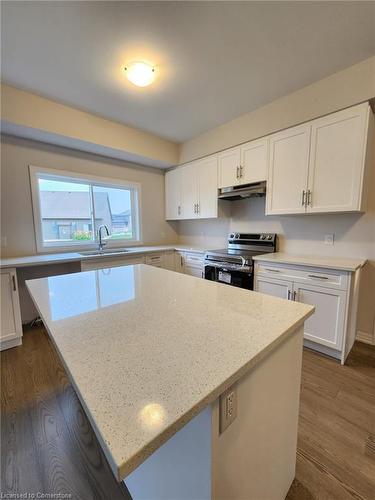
241,192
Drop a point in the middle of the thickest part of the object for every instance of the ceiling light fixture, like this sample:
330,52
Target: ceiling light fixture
139,73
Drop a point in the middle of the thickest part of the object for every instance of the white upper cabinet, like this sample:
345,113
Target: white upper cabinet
337,160
244,164
191,190
321,166
288,167
206,170
173,202
229,167
254,161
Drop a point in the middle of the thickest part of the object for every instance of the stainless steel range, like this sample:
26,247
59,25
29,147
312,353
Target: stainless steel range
234,265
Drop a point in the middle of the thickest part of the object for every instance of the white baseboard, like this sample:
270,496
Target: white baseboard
367,338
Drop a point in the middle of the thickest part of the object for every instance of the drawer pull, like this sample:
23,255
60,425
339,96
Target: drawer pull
318,277
273,270
14,283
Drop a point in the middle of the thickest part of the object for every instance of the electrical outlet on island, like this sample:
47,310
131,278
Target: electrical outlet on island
329,239
228,408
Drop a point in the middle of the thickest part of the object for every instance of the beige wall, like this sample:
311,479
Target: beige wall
24,109
350,86
16,208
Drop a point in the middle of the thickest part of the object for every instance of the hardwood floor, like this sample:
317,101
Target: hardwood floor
48,445
336,435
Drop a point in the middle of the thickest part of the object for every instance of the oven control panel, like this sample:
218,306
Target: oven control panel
252,237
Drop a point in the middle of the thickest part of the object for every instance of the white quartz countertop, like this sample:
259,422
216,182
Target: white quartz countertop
313,261
58,258
147,349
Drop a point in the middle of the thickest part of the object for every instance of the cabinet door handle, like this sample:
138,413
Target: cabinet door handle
182,262
238,173
294,296
289,293
303,201
14,283
318,277
198,208
179,210
241,168
273,270
309,196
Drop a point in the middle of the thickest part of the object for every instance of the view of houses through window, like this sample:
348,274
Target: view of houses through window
72,211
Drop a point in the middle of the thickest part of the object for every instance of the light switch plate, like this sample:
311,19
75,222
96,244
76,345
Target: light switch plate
329,239
228,408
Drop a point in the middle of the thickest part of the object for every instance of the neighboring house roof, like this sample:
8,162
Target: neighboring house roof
121,217
73,205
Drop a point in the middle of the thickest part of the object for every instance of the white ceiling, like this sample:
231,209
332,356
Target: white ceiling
214,60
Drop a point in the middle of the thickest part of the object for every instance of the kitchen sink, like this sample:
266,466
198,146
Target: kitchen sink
107,251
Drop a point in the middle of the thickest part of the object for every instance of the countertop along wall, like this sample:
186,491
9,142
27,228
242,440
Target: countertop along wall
17,223
302,235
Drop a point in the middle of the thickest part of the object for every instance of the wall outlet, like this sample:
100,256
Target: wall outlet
329,239
228,408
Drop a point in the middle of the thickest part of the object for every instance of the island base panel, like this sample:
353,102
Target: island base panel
256,456
180,468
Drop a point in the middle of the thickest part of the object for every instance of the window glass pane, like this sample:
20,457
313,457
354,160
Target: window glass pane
65,211
113,208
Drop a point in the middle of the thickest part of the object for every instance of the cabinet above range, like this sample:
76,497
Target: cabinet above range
191,191
321,166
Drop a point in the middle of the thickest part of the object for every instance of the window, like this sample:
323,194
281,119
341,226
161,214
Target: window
69,209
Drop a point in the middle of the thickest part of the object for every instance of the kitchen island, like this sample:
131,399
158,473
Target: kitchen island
150,352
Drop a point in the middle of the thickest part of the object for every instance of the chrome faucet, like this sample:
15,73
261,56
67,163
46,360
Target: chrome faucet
101,243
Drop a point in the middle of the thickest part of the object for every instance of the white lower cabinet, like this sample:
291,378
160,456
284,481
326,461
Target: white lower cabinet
191,263
155,260
11,325
169,260
326,325
277,288
194,264
103,263
331,329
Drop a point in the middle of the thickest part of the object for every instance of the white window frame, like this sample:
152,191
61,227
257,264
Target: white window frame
43,247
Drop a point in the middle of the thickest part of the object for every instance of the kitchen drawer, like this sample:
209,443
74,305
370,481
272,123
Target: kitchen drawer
155,260
194,260
329,278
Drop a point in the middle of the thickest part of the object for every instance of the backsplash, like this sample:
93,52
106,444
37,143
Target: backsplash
353,233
